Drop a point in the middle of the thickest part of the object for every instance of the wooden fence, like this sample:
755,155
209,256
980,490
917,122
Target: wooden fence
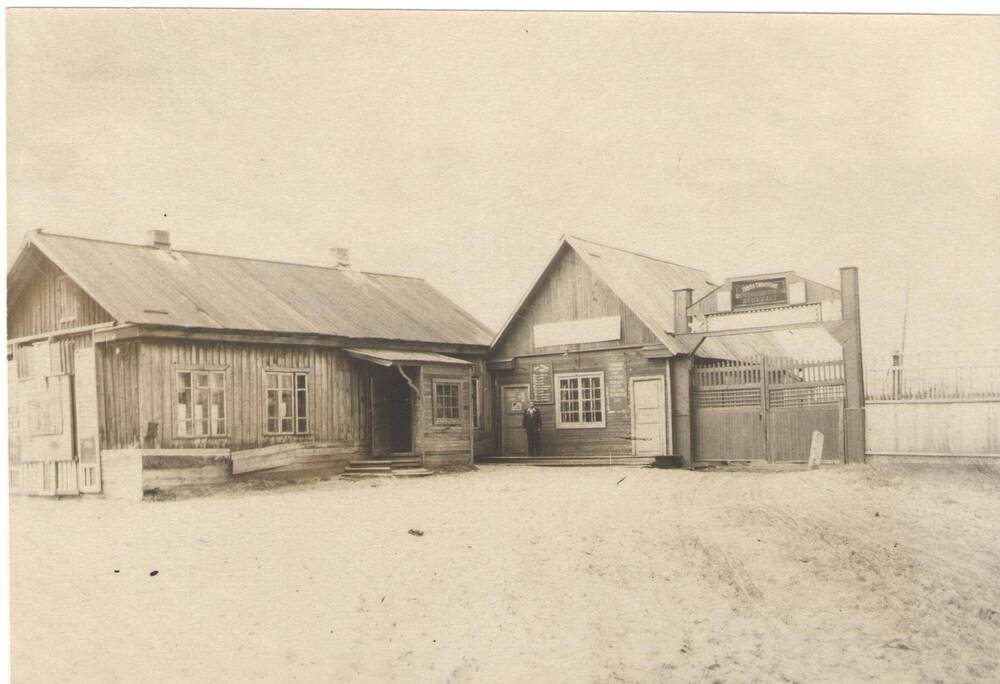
934,406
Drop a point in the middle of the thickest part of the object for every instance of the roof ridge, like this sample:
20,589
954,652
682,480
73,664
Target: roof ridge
224,256
639,254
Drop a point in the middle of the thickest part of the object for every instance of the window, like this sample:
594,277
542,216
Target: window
287,403
447,403
66,299
581,400
476,399
201,403
25,360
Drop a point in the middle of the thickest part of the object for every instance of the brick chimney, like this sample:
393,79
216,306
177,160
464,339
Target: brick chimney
340,257
682,301
159,238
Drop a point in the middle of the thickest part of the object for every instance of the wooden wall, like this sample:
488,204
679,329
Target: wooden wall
443,445
118,394
933,428
338,392
618,366
36,309
570,291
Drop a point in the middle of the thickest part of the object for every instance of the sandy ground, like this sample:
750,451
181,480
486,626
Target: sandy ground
522,575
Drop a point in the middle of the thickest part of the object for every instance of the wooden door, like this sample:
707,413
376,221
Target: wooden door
649,417
514,401
87,432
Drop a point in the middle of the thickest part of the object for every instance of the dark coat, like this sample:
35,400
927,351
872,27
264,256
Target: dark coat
532,419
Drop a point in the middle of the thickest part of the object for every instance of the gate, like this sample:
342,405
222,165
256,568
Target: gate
767,409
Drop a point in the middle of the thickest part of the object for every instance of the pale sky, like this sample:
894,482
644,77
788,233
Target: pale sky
460,146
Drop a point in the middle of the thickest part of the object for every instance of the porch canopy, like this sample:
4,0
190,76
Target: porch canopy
399,357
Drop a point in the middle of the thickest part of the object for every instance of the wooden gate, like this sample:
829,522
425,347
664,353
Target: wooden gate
767,409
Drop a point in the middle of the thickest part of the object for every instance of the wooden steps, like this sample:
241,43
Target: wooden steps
637,461
396,465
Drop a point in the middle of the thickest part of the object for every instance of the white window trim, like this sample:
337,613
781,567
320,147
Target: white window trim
560,425
434,393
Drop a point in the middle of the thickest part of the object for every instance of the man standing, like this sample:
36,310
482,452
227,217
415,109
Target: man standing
532,422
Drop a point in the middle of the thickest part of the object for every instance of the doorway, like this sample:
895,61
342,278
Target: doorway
649,416
392,411
514,399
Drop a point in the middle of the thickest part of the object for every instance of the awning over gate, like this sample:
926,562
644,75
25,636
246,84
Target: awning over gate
798,343
399,357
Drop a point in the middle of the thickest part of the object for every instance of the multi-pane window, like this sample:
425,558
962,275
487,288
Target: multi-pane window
201,403
447,401
581,400
66,298
476,398
287,403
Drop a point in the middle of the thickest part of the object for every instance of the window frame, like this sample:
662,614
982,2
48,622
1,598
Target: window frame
580,425
24,358
435,384
295,390
211,371
67,297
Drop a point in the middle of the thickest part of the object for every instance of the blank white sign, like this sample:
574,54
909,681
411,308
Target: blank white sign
581,331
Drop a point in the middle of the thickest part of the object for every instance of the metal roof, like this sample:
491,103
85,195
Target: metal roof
146,285
798,343
646,284
388,357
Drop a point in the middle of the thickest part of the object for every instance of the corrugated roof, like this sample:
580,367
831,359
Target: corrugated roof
798,343
145,285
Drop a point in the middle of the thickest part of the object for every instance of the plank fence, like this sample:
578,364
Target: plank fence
934,406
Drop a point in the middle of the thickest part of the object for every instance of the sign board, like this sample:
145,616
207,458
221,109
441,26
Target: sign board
605,329
759,292
541,383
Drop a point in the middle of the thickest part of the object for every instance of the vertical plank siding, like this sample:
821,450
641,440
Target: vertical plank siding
572,291
118,394
338,392
36,310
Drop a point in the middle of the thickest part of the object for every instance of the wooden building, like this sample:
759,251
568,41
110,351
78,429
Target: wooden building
140,367
615,348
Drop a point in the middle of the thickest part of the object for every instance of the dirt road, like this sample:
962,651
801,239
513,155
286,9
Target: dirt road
522,575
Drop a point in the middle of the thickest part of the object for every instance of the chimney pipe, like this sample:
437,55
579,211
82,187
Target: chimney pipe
682,301
341,258
159,238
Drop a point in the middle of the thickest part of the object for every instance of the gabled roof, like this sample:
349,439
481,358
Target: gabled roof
145,285
645,284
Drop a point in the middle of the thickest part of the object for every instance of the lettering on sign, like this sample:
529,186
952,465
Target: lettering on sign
759,292
541,383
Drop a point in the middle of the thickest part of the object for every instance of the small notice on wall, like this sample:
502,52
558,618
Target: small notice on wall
541,383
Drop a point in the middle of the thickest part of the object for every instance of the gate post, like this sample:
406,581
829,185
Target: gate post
854,383
681,369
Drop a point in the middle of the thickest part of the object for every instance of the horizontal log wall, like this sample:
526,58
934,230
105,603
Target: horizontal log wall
618,366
